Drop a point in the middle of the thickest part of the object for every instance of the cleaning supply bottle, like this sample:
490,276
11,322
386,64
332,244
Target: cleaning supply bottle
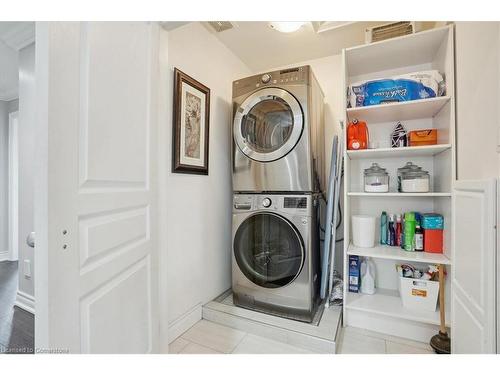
392,232
398,230
409,228
383,228
357,135
419,238
368,276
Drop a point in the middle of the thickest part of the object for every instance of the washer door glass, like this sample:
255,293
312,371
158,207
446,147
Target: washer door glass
268,250
268,124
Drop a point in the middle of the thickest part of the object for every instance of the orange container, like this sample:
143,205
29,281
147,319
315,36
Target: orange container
433,240
357,135
425,137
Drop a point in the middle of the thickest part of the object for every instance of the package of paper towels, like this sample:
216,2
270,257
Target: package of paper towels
412,86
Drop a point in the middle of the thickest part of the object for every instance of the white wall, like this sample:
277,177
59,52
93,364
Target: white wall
4,180
198,208
478,99
27,144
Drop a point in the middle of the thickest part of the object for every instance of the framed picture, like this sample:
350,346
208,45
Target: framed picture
190,125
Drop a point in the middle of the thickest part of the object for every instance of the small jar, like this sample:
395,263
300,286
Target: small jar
415,182
376,179
409,166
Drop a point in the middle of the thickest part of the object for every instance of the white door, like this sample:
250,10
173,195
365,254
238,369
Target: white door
474,267
97,256
13,187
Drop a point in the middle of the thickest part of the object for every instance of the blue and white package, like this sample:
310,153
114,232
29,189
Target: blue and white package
406,87
354,274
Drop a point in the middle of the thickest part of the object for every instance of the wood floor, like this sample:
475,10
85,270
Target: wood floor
16,325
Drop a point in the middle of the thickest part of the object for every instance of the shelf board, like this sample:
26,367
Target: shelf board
398,152
409,50
387,302
401,111
396,253
396,194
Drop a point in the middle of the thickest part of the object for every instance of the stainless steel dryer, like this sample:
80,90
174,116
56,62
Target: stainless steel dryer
275,259
278,132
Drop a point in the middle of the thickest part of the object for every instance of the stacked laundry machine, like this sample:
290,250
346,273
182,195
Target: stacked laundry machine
278,178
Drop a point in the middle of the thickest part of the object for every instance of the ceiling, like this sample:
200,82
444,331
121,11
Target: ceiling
261,47
13,37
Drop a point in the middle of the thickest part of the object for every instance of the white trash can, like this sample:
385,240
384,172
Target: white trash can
363,230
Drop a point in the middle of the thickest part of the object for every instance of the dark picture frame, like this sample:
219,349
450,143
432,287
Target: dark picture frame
191,124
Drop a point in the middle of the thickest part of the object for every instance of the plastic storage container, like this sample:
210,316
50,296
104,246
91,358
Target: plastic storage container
415,182
376,179
363,230
433,241
418,294
433,225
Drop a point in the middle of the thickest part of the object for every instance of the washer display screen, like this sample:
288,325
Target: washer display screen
268,250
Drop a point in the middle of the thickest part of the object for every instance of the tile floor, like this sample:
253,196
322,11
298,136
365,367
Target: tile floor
210,338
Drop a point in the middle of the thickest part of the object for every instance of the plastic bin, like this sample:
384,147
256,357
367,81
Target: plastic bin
418,294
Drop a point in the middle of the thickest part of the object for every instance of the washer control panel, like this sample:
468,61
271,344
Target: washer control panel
266,202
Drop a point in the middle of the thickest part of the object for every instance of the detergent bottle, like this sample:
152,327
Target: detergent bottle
368,276
357,135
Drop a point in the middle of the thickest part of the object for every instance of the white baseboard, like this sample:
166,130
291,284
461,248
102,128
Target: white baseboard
25,302
182,324
4,255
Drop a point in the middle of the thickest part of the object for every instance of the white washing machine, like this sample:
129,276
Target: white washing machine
275,258
278,132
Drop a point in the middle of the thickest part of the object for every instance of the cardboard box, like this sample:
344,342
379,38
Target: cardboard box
424,137
354,273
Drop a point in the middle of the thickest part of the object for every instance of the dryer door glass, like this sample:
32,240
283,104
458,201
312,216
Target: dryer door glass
268,250
268,125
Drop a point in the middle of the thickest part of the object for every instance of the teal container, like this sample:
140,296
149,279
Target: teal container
409,231
383,228
432,221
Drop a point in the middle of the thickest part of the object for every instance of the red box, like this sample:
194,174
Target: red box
433,240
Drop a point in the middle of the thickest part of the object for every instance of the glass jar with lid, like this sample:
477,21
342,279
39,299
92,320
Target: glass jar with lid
376,179
409,166
416,181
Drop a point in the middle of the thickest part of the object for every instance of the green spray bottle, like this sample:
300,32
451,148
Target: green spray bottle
409,231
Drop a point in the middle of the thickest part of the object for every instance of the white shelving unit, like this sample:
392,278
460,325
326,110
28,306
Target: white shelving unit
432,49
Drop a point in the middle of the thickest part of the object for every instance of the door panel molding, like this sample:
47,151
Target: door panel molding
473,276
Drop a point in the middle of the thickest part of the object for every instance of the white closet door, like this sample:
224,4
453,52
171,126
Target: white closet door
96,224
474,272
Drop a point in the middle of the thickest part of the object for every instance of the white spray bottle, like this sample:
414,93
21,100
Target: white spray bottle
368,276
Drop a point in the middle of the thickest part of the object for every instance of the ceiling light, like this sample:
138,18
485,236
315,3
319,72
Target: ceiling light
287,27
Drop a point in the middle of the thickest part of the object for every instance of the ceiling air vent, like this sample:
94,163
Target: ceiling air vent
389,30
220,26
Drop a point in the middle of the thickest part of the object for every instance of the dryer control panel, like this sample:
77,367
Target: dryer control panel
284,77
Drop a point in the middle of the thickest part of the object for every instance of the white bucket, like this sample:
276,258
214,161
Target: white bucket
363,230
